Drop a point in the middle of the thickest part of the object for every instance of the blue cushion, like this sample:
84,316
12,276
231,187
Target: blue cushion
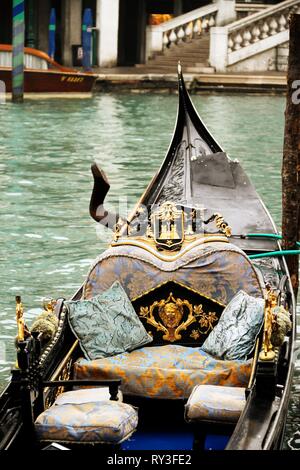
235,334
215,403
108,422
107,324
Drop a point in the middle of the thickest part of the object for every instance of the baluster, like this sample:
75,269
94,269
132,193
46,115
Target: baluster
255,33
211,22
189,30
237,42
265,29
180,35
246,38
282,23
172,38
196,28
165,40
273,26
230,44
204,24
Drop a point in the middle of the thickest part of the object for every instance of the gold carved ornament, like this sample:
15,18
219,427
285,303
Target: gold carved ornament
171,312
267,352
221,225
20,319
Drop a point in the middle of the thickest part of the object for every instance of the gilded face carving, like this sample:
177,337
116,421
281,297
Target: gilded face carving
170,315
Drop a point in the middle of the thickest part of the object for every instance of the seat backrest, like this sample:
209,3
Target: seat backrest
179,300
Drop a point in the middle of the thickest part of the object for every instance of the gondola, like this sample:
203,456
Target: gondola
198,249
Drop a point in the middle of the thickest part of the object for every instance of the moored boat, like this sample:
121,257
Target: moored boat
44,75
199,257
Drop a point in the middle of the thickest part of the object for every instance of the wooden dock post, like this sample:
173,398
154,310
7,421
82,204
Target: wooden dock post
18,52
291,155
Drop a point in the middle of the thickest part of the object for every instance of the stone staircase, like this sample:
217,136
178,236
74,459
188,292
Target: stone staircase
222,37
193,56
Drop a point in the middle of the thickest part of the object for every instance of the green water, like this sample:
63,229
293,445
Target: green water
47,239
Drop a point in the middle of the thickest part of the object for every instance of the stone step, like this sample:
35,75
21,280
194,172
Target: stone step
170,68
185,54
172,63
182,50
200,68
183,59
188,45
193,55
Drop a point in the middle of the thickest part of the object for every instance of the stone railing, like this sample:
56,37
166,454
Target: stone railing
246,9
251,35
189,26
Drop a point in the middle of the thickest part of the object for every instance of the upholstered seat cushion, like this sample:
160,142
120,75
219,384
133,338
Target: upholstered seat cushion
215,403
169,371
108,422
86,395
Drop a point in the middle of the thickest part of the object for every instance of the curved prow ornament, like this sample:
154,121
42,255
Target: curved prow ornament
100,190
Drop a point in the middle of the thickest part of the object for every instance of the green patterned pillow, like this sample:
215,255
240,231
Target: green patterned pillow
107,324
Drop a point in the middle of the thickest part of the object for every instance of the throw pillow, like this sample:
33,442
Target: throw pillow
107,324
236,331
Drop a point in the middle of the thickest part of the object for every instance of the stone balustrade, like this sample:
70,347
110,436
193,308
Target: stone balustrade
189,26
251,35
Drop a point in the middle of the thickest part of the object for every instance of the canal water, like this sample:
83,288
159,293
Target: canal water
48,240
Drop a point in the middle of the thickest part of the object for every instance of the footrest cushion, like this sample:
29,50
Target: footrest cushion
107,422
215,403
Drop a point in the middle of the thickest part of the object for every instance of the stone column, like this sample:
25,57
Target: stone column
226,13
108,26
71,27
218,48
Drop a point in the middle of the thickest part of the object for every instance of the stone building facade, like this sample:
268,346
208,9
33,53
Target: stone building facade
119,26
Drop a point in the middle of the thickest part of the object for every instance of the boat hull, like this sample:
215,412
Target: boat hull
48,81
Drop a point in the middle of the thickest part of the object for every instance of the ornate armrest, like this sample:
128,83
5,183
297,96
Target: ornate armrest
113,385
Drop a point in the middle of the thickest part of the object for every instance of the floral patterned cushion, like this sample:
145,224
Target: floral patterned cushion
166,372
234,335
107,324
108,422
215,403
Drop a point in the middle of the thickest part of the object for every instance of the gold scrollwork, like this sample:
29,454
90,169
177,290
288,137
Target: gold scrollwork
206,321
171,312
222,225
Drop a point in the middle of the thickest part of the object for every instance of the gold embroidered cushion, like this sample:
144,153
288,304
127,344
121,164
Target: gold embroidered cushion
107,324
108,422
166,372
